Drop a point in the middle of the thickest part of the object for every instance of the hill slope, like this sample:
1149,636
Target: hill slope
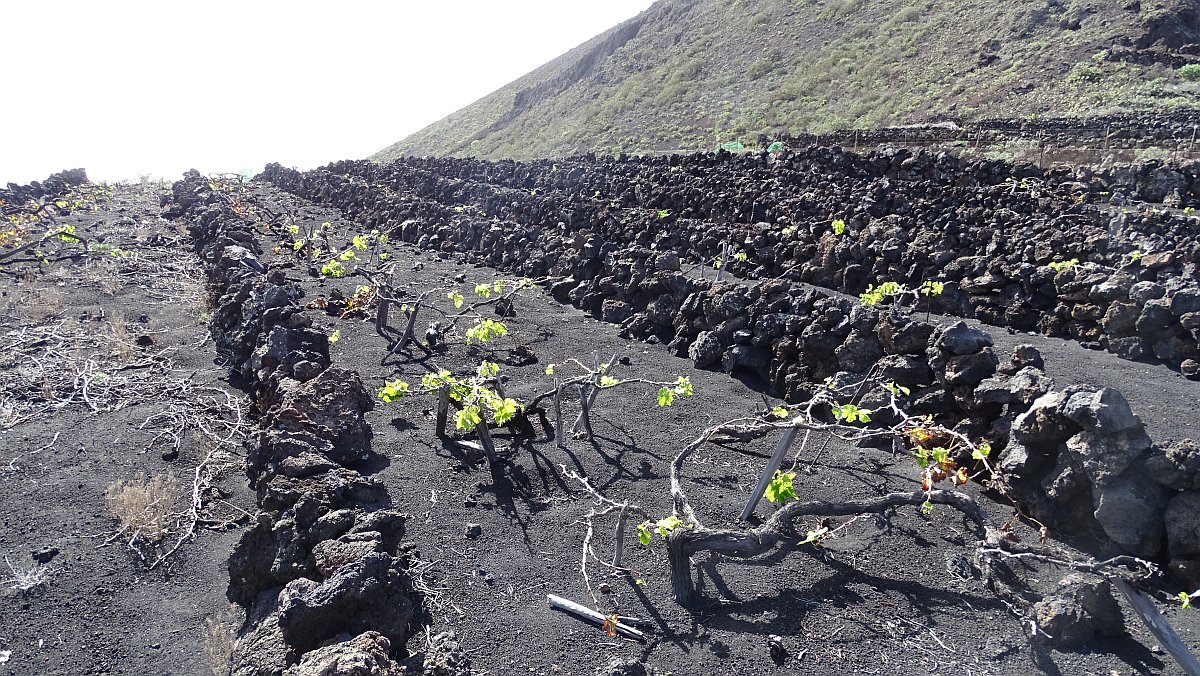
687,74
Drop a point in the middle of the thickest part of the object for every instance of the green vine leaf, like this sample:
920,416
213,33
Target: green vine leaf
781,489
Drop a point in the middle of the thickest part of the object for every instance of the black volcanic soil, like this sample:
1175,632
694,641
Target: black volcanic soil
875,600
135,327
886,596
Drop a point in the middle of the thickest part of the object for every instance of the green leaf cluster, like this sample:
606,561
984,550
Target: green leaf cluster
781,489
851,414
662,527
485,330
334,268
681,388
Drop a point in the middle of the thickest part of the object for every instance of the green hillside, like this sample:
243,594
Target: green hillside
688,74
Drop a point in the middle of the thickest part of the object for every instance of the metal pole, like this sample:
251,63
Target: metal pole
781,449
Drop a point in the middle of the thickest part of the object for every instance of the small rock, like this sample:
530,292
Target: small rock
1182,519
961,339
706,350
1079,611
1023,356
1146,291
45,554
779,651
473,531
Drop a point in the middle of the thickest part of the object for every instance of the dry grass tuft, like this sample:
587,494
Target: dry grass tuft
103,274
43,304
24,579
143,505
123,350
220,637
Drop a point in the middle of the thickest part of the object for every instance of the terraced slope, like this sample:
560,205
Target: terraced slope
687,74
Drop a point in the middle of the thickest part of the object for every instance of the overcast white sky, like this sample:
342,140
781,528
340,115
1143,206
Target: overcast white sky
125,88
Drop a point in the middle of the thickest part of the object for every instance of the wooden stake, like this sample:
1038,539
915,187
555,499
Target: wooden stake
408,330
558,423
585,405
781,449
485,438
619,536
595,389
725,252
443,409
1144,608
381,317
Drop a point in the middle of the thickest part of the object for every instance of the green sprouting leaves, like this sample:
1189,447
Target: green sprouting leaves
488,369
780,412
456,298
1185,600
335,336
741,257
468,418
662,527
981,451
483,290
931,288
485,330
851,414
781,489
877,294
393,390
663,213
937,455
1059,266
334,268
839,227
897,390
362,242
665,396
433,381
609,381
814,537
65,233
644,536
681,388
1135,256
927,508
550,369
347,255
504,410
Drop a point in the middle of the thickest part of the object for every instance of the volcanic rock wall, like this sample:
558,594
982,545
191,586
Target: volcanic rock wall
988,230
323,573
